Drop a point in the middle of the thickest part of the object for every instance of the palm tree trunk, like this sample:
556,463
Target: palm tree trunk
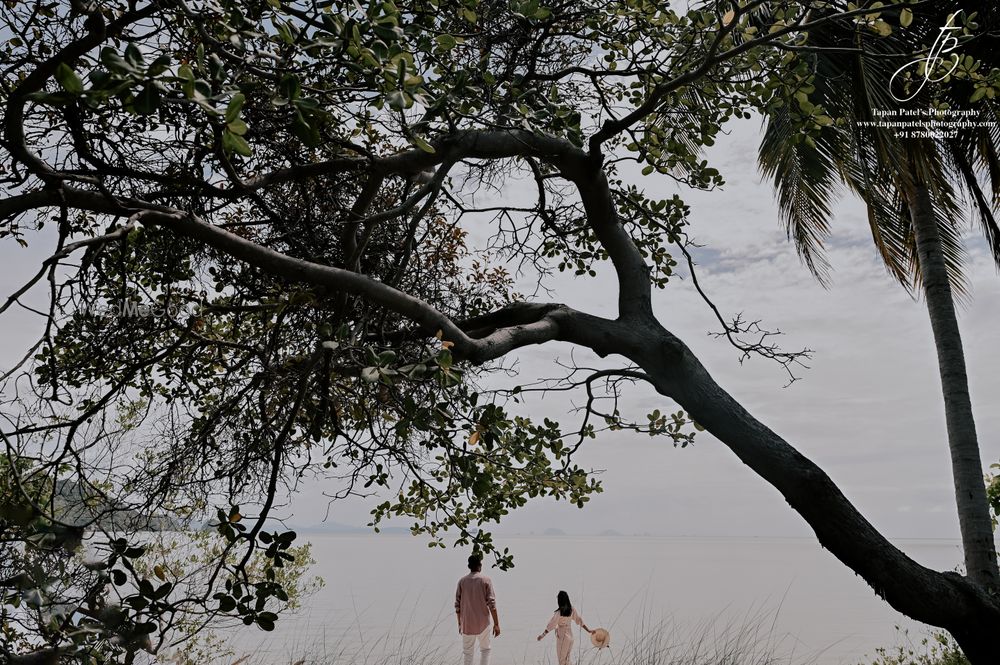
966,464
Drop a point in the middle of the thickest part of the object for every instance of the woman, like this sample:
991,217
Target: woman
560,622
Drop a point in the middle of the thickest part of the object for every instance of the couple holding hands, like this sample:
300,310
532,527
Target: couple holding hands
475,605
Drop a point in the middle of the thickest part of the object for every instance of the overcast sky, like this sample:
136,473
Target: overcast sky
869,411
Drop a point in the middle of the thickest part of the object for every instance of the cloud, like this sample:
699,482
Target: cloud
869,410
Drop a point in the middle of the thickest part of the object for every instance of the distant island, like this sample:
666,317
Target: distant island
337,527
551,532
83,507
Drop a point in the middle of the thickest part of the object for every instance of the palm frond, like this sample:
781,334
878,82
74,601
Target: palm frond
890,228
805,184
982,207
951,244
878,165
875,155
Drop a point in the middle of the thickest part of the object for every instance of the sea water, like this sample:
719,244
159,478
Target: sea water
390,598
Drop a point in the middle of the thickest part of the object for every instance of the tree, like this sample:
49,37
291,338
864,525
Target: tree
53,594
911,185
270,199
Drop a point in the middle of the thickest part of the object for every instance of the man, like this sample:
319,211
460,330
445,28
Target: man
474,605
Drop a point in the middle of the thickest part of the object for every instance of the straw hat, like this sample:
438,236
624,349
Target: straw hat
600,638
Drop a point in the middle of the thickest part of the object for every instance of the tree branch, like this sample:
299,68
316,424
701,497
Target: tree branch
944,599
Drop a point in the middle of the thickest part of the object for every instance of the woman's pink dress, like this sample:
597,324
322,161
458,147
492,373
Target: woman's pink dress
564,634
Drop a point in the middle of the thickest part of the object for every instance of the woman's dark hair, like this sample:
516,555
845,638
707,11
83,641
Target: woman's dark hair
475,562
565,607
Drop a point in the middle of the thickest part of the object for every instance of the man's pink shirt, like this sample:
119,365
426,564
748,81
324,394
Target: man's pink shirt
473,601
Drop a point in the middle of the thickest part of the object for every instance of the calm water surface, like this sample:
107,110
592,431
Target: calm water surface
389,598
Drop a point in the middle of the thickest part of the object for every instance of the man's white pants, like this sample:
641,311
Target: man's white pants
469,644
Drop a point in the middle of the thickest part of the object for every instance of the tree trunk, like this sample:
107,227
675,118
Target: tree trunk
943,599
963,444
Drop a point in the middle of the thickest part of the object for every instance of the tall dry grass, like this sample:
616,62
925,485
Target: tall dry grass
748,639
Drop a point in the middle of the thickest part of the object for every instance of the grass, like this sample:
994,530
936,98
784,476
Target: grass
936,649
750,639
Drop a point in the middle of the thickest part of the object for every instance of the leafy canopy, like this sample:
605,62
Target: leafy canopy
262,269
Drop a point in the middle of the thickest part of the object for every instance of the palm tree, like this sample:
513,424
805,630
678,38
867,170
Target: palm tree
915,190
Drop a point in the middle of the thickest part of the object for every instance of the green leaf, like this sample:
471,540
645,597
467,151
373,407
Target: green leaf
137,602
146,588
226,603
68,79
147,101
162,591
399,100
308,133
237,127
234,143
147,628
285,33
290,86
235,106
422,143
113,61
158,66
133,56
905,18
307,104
447,42
51,98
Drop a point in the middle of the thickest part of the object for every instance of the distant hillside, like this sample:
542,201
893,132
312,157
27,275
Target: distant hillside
337,527
77,505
